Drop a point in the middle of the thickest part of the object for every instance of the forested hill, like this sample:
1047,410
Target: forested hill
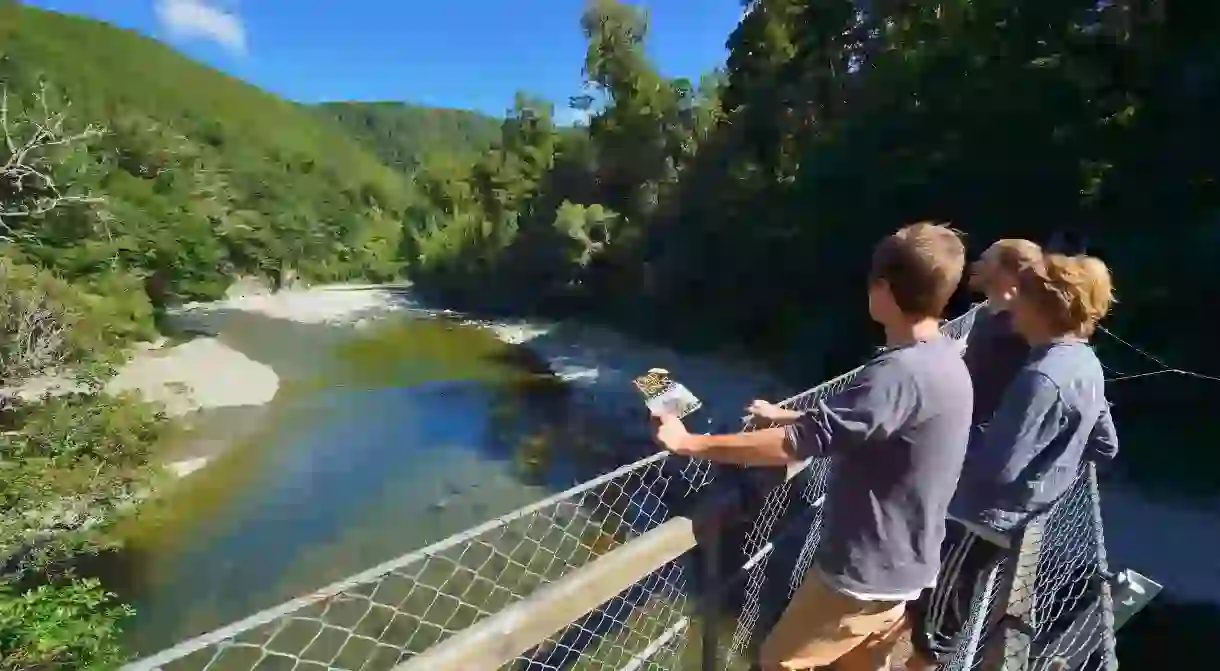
403,135
203,176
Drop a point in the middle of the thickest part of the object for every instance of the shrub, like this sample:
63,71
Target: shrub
75,625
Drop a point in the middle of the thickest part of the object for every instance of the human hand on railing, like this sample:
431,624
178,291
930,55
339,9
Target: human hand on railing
771,412
671,434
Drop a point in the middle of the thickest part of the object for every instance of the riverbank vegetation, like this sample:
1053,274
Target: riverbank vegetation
69,465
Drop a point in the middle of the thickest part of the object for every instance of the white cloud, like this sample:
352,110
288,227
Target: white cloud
566,116
203,19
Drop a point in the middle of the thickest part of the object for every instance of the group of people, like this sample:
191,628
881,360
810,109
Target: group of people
928,435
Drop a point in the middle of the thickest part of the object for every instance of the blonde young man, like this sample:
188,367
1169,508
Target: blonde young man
897,437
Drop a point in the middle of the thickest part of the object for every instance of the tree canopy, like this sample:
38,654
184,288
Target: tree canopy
403,135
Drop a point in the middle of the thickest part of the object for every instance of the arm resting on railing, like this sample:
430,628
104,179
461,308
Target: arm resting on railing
879,400
770,412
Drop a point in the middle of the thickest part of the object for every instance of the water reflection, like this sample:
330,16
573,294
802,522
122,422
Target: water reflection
380,442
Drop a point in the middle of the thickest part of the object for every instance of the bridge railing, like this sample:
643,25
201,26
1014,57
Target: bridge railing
603,576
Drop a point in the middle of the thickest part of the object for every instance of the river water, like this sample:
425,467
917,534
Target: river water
385,438
379,442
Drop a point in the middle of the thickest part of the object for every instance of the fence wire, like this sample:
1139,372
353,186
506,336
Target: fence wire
389,613
392,612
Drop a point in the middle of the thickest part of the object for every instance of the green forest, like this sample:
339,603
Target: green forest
405,136
732,213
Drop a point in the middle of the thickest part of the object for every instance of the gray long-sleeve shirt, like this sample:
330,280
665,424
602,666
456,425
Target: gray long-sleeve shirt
897,437
1053,415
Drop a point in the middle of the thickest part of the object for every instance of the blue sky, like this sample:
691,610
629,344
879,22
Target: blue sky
455,53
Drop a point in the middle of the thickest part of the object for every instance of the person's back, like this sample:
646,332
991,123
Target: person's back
896,436
887,498
1026,454
1062,386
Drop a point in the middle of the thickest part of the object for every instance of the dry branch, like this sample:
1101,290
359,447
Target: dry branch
33,330
27,185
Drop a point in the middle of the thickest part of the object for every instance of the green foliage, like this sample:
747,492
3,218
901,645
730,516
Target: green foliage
204,177
553,216
404,135
69,626
69,465
740,209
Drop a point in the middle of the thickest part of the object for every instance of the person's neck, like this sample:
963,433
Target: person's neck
910,332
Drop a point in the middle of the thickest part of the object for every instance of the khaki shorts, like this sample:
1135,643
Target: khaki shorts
822,626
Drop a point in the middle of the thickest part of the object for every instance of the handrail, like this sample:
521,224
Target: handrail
156,661
501,637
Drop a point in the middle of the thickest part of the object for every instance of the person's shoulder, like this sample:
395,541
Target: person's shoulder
1066,361
1070,368
940,358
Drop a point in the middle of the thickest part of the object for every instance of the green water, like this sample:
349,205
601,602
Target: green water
379,442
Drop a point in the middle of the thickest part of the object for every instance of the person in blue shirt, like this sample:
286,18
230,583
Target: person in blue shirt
896,438
1050,417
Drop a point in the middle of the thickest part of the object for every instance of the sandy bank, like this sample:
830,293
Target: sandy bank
202,373
339,303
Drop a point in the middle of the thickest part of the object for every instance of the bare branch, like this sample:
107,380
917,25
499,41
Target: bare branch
33,330
27,185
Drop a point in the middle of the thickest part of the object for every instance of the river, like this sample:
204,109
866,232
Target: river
391,433
382,438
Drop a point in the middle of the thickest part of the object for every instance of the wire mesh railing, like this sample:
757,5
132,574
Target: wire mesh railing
670,617
386,614
1051,605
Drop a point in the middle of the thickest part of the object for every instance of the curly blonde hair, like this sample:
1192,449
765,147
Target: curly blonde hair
1075,292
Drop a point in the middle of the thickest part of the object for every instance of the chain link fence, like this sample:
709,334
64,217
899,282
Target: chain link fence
390,613
376,619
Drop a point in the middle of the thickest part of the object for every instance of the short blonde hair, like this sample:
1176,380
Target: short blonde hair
922,264
1013,254
1075,292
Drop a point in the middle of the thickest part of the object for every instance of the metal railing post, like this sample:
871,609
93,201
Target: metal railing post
1009,649
1109,656
981,611
709,602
